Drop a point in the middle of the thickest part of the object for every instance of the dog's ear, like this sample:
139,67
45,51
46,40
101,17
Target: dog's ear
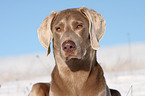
97,26
44,31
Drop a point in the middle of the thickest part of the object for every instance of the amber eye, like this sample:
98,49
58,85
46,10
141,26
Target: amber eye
58,29
79,26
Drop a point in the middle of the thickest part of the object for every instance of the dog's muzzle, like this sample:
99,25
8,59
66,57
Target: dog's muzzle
68,46
71,50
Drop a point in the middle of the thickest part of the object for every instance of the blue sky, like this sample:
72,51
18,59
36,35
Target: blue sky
20,19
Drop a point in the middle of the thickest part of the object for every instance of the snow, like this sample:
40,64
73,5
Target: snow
123,67
124,80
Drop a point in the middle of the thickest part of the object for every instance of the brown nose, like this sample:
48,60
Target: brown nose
68,46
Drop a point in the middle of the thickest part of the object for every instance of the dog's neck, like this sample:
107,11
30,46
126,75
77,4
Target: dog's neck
71,83
75,71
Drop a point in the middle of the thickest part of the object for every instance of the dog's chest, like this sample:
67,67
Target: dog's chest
76,85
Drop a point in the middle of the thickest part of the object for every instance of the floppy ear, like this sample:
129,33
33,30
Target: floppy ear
44,32
96,26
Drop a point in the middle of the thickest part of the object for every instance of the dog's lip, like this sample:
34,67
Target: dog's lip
85,52
72,56
69,53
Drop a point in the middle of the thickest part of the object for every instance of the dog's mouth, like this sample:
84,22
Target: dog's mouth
77,62
74,55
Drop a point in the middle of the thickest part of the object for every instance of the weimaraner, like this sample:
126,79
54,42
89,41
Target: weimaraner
75,34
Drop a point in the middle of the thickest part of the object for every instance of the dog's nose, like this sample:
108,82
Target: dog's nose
68,46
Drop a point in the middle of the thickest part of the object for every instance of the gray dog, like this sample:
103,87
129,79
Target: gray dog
75,34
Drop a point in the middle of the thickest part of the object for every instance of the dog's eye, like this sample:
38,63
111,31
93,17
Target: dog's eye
79,26
58,29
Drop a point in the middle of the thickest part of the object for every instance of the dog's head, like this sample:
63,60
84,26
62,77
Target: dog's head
74,32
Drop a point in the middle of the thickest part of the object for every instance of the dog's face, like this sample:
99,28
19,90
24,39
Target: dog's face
71,34
75,34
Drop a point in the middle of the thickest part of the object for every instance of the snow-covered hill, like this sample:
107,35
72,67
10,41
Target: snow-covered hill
25,66
122,57
123,65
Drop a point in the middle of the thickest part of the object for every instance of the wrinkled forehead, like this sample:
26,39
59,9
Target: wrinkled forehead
69,14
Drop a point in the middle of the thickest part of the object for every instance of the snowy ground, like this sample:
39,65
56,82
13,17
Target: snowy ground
123,67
